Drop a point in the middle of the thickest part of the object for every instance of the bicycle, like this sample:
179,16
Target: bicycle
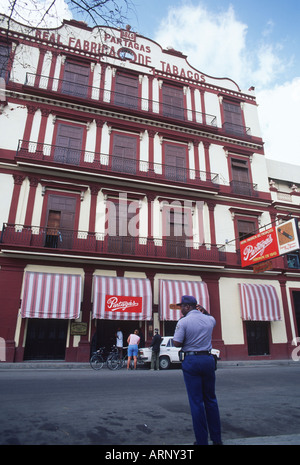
113,361
97,359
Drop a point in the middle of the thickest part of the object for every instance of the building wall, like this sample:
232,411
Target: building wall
223,181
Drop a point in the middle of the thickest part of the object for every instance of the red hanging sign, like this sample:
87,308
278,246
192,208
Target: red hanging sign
270,243
123,304
259,247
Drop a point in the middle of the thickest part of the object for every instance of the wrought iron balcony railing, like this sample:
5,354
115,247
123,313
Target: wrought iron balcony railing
108,163
64,240
237,130
105,96
244,188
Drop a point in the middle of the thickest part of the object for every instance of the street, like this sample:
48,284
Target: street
82,406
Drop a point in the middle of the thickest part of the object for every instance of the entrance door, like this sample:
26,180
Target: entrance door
46,339
258,337
296,299
106,330
60,221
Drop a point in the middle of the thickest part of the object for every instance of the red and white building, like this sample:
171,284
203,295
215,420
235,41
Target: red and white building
127,178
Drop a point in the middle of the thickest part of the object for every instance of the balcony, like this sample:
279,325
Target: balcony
53,155
244,188
42,240
110,98
237,130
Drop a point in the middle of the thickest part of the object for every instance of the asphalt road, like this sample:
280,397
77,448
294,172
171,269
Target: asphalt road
82,406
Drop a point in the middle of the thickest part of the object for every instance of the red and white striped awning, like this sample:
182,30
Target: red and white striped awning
170,293
47,295
122,298
259,302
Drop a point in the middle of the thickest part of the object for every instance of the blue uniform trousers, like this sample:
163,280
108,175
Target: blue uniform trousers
199,377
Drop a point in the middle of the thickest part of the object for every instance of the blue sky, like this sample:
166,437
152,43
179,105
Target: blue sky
256,43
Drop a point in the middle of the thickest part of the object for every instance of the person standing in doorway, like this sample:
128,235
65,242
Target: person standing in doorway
133,348
119,343
193,334
155,344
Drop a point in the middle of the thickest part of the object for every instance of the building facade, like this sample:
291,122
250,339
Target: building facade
128,178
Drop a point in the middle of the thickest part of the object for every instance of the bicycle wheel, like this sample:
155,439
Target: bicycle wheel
96,362
114,362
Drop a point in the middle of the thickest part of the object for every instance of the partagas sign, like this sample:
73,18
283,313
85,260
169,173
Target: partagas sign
270,243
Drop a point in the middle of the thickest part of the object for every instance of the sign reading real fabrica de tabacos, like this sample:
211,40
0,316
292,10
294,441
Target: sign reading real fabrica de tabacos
125,45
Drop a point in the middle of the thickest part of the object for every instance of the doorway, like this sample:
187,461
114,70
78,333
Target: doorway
61,212
296,301
46,339
106,330
258,337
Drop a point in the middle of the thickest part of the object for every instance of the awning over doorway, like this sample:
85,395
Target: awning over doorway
170,293
259,302
122,298
47,295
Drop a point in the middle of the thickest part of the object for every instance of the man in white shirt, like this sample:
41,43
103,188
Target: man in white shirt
119,342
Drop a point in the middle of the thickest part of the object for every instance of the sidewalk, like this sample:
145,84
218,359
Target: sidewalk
77,365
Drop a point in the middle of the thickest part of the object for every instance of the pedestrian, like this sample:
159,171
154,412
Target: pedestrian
119,343
155,344
193,334
133,348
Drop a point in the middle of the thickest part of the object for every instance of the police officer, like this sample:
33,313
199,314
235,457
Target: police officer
193,333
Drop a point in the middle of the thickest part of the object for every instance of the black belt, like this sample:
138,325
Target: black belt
201,352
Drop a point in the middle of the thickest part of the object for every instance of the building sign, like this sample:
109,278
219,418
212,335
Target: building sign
78,328
124,304
270,243
121,44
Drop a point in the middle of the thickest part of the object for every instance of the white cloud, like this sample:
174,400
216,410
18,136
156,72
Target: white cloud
216,44
36,13
279,117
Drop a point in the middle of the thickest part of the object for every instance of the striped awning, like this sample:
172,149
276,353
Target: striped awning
259,302
170,293
122,298
47,295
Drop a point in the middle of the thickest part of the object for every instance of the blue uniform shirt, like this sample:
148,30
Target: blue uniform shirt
194,331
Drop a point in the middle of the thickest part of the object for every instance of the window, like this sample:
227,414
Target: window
178,233
68,144
175,162
246,229
126,91
233,119
4,57
172,98
75,80
60,221
124,156
122,225
240,183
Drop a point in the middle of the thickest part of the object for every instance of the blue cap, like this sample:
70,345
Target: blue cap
188,300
